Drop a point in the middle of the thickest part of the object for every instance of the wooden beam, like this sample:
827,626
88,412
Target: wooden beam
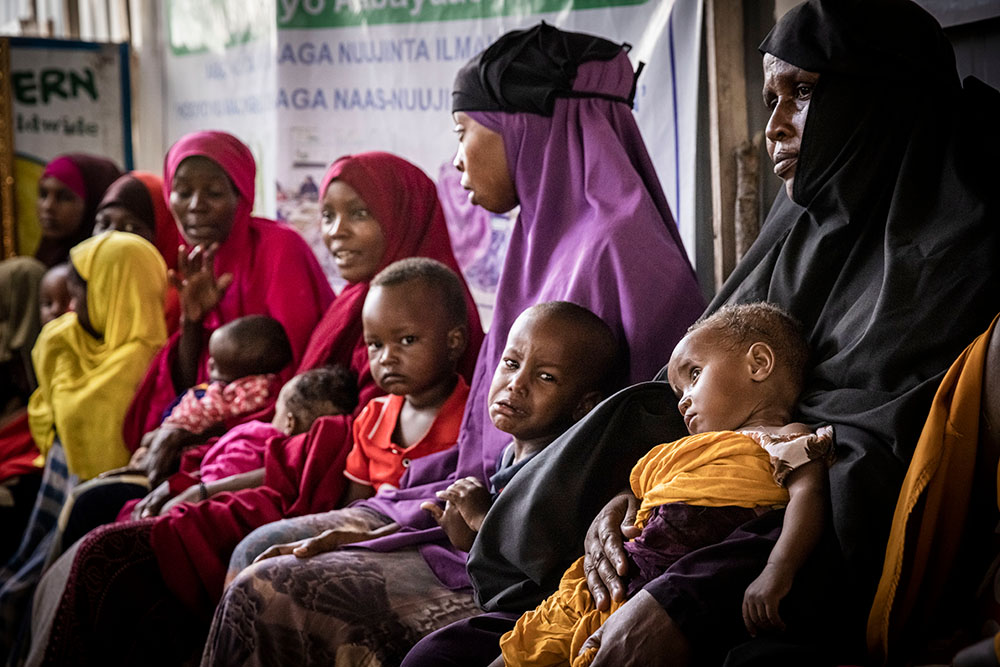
8,244
727,103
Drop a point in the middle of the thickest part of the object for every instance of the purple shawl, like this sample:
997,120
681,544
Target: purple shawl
595,229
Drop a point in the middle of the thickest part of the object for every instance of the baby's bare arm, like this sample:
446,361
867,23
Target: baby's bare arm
800,533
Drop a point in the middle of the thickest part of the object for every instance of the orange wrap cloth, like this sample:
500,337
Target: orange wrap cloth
933,503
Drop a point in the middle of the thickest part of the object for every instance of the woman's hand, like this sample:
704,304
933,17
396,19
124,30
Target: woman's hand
639,634
198,288
165,451
192,494
604,558
152,503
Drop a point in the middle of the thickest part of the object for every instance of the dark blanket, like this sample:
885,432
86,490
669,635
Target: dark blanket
535,529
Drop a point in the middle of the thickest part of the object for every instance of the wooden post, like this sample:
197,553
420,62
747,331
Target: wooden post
727,103
747,194
8,243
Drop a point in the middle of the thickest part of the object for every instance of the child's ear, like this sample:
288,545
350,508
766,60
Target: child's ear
586,404
760,361
458,338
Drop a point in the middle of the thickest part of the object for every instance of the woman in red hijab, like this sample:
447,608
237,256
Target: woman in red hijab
231,264
176,563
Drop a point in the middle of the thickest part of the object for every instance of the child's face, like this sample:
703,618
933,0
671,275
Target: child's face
412,350
77,288
712,383
54,294
539,385
284,419
223,351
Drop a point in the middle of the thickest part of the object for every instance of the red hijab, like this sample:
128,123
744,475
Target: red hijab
404,201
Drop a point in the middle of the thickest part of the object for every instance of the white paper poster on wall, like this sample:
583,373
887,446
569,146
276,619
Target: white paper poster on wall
324,78
66,97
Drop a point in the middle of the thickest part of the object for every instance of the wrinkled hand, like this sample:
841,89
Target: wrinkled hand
459,532
197,287
604,558
762,598
639,634
328,540
151,504
470,498
165,451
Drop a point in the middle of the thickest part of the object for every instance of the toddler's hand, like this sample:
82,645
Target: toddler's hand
455,526
469,497
762,597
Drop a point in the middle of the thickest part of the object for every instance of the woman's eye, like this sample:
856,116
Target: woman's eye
360,214
547,377
408,340
803,91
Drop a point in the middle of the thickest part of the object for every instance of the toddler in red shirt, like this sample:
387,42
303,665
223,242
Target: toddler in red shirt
415,328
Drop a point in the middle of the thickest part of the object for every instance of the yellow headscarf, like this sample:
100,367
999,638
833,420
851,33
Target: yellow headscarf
85,384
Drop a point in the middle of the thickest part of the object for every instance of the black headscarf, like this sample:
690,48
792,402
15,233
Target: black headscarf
528,70
890,256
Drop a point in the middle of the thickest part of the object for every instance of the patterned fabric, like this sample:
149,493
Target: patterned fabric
789,451
221,401
111,563
20,574
273,614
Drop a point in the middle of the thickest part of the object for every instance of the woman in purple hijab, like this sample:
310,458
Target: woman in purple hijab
544,120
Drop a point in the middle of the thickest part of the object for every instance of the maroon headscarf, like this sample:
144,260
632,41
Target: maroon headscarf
88,176
141,193
404,201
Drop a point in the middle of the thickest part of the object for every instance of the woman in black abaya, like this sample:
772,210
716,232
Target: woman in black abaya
885,244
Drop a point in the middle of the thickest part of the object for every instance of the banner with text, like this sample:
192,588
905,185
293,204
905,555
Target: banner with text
332,77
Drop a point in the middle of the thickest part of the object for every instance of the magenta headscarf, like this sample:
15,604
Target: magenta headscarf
595,229
88,176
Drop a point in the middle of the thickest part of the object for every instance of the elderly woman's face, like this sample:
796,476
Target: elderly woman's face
787,92
482,159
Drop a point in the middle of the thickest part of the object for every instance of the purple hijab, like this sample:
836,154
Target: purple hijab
595,229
